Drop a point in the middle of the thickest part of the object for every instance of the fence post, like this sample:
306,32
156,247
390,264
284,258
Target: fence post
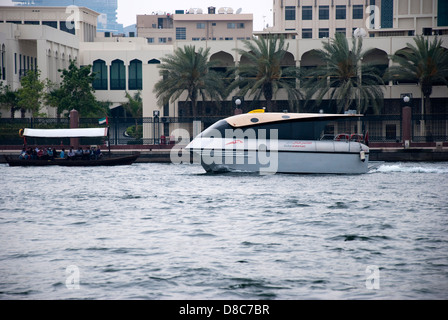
406,124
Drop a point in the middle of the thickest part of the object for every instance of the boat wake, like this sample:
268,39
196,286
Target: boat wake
410,168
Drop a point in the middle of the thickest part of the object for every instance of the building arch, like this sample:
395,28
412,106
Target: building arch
377,58
288,60
154,61
99,69
224,62
135,75
244,59
400,52
310,60
225,59
117,75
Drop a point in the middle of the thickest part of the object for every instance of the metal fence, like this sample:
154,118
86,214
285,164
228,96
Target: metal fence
429,128
158,130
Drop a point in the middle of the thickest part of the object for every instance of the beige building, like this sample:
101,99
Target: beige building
194,25
130,64
44,38
312,19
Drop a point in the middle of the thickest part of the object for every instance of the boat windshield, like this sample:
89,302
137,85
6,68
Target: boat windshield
220,126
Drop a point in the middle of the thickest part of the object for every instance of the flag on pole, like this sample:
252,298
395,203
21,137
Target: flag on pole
103,121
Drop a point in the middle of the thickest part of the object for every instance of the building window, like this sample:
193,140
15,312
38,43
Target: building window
99,69
307,13
307,33
67,26
341,30
387,13
181,33
240,25
324,33
195,39
117,75
53,24
324,12
200,25
150,40
135,75
3,70
290,13
162,40
229,38
340,13
231,25
358,11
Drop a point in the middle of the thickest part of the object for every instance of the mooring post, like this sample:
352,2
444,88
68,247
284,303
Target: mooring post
74,123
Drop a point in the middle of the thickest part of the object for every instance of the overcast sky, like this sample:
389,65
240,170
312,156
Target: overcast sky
128,9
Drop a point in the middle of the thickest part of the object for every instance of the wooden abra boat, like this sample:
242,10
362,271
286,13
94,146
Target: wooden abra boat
105,160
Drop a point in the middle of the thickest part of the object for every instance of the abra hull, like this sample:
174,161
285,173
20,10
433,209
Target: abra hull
106,161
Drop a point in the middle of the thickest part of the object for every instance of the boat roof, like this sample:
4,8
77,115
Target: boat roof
65,133
250,119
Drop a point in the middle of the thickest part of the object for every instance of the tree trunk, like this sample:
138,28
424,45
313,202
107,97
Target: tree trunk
194,109
428,111
268,105
267,92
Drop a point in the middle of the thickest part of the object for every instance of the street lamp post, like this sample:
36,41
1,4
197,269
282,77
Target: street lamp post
406,121
237,102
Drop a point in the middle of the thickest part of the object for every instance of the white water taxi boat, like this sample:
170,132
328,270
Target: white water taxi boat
278,143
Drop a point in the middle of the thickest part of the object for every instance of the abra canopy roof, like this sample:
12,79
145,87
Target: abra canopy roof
65,133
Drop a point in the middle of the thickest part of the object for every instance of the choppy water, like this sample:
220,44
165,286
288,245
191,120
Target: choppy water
164,231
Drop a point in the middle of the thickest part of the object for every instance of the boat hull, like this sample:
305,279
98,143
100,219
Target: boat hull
106,161
288,162
326,157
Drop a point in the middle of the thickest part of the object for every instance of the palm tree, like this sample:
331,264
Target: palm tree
342,76
135,107
425,62
264,75
188,70
9,98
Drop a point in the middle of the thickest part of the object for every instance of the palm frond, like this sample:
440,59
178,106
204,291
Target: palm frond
263,74
342,78
188,70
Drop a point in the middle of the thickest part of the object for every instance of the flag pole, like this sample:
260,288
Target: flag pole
108,139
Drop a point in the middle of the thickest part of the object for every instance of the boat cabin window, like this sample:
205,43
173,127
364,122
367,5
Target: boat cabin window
287,130
220,125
